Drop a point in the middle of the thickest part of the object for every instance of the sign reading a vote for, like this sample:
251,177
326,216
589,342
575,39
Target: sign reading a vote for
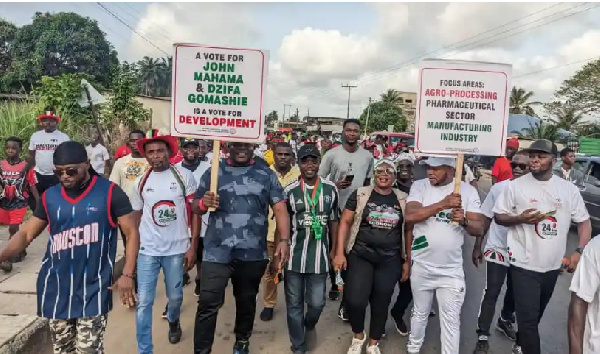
218,93
462,107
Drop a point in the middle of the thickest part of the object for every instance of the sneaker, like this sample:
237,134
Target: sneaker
20,257
507,329
356,345
164,314
342,313
516,349
482,346
373,349
400,326
432,313
334,293
186,279
197,288
266,314
6,266
241,347
174,332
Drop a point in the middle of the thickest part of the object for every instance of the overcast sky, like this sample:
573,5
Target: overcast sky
315,47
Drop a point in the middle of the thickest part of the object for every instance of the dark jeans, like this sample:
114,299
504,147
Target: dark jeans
245,278
496,273
403,299
370,283
301,288
532,292
44,182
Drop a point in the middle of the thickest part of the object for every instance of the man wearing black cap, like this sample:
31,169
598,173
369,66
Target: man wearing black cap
76,276
313,208
538,209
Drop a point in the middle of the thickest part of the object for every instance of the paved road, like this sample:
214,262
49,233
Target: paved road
334,336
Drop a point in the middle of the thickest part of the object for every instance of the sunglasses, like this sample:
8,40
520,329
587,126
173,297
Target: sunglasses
71,172
521,166
387,171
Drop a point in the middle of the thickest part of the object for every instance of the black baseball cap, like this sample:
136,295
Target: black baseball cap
544,145
308,150
187,141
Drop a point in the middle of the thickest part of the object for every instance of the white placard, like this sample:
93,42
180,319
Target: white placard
462,107
218,93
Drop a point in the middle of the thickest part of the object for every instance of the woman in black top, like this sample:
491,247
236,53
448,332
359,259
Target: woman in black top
375,259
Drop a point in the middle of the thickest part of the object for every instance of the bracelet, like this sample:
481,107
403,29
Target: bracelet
579,250
130,276
286,240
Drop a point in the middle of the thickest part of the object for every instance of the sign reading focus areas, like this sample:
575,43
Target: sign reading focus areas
462,107
218,93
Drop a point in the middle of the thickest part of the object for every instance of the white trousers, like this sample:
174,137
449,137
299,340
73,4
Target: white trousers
450,293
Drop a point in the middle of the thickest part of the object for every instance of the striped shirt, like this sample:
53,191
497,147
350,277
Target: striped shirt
307,254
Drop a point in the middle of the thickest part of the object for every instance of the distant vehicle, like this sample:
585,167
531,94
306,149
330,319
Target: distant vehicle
590,166
394,138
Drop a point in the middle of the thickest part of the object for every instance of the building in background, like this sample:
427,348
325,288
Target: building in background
408,105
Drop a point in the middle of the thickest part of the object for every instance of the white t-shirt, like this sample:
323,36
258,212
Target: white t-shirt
98,156
540,247
44,145
469,177
437,244
496,248
202,167
126,170
586,285
164,225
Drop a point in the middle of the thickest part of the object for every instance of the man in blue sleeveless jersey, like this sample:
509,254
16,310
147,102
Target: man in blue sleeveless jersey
163,198
76,277
235,245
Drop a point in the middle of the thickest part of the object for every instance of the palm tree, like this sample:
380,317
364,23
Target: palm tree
567,118
519,102
542,130
149,75
166,75
392,96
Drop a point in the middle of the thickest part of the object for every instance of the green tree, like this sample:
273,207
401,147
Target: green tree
271,118
582,90
564,116
8,32
520,102
150,75
61,43
166,76
391,96
382,114
542,130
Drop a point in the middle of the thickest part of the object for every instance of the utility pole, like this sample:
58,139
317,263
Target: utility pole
284,106
368,115
349,87
297,114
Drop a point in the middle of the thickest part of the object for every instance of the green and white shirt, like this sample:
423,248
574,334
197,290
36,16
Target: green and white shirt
309,253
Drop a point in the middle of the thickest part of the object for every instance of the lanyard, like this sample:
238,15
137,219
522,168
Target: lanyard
316,226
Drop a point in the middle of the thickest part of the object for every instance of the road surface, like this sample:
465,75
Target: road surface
334,336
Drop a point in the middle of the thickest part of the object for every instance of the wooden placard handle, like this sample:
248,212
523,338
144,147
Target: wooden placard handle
460,164
214,168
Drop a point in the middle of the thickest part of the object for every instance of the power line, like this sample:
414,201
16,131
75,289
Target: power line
556,67
131,28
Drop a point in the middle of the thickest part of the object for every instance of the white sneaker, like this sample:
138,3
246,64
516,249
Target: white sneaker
516,349
356,345
373,349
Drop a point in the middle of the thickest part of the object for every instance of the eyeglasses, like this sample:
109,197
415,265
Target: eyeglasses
387,171
521,166
71,172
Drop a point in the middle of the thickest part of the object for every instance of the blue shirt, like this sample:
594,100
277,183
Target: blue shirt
77,268
237,230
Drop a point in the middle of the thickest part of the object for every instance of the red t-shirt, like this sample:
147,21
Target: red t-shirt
16,185
502,170
123,150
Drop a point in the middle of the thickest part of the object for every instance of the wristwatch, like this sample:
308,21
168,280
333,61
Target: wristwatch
286,240
579,250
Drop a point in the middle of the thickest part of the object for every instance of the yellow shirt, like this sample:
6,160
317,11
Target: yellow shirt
269,158
290,177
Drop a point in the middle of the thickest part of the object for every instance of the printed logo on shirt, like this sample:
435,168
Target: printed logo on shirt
547,228
299,201
164,213
47,147
75,236
173,186
134,169
444,216
306,221
494,255
420,243
383,216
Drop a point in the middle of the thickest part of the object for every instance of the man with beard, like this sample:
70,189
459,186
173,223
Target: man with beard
286,174
76,276
567,170
442,220
235,243
350,167
501,170
538,209
496,258
314,211
162,204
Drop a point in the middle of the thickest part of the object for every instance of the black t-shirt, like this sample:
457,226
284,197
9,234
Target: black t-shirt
380,233
119,205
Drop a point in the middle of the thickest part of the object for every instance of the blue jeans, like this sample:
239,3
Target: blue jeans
148,268
300,288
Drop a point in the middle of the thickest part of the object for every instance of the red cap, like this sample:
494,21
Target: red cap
512,143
